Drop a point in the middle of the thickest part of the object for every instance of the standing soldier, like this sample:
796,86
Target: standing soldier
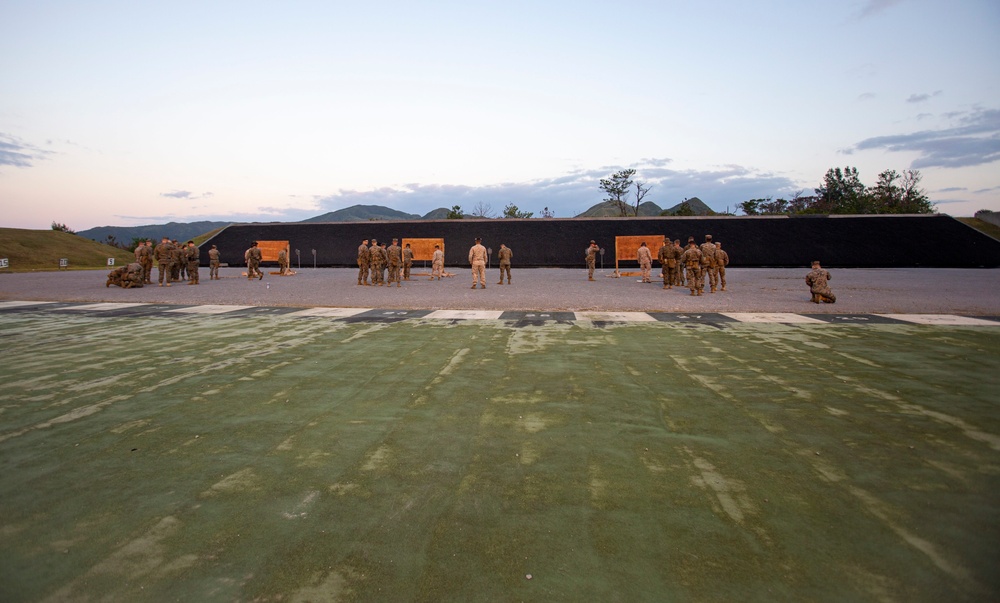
148,266
591,256
213,263
395,258
375,262
679,273
477,257
164,254
645,259
437,263
363,255
721,261
505,254
283,261
253,256
179,266
668,262
818,281
708,263
692,261
192,256
407,261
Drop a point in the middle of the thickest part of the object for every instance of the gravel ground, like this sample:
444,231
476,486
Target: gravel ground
889,290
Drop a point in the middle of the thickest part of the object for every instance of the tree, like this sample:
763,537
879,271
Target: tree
547,213
685,209
641,188
482,210
841,193
511,211
751,207
455,213
62,228
617,187
906,197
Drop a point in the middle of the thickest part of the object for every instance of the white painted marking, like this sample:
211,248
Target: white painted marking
209,309
942,319
17,304
106,306
465,314
615,316
781,317
331,312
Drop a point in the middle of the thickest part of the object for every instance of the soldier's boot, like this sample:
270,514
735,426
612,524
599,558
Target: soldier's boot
713,290
508,281
815,299
500,282
693,292
473,285
483,286
591,279
398,285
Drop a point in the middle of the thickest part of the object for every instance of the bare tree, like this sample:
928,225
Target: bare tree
483,210
641,188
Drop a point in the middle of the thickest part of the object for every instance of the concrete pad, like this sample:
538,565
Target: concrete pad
20,304
615,316
209,309
941,319
465,314
771,317
329,312
107,306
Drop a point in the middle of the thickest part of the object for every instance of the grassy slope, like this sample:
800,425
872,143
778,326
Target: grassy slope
983,227
29,250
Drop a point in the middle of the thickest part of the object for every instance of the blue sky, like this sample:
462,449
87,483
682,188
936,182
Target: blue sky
127,113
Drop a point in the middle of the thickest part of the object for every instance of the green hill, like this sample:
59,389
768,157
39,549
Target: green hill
28,250
440,213
363,213
697,206
606,209
182,231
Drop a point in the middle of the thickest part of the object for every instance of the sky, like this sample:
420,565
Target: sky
124,113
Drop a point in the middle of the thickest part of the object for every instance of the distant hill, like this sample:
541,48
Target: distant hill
440,213
363,213
175,230
28,250
697,205
608,209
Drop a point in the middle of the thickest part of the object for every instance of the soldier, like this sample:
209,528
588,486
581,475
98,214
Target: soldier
692,261
818,285
192,256
505,254
709,265
164,254
591,256
375,263
178,259
679,273
134,275
407,261
213,263
437,263
721,261
395,257
283,262
115,276
664,254
147,264
477,257
140,252
363,258
645,259
253,256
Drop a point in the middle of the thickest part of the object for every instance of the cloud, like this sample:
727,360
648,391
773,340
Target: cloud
573,193
874,7
974,140
919,98
866,96
952,189
186,195
17,153
988,190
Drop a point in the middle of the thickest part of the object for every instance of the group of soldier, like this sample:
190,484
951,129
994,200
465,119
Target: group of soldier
175,261
694,264
375,261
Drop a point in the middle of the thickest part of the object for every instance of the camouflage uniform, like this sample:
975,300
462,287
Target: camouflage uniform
395,259
213,264
819,287
437,264
721,261
407,261
178,261
164,254
126,277
363,256
254,256
667,256
505,254
377,262
192,256
678,278
283,262
477,258
709,266
591,256
692,261
645,258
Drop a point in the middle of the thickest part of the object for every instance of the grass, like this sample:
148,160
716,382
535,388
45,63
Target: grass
33,250
307,459
984,227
